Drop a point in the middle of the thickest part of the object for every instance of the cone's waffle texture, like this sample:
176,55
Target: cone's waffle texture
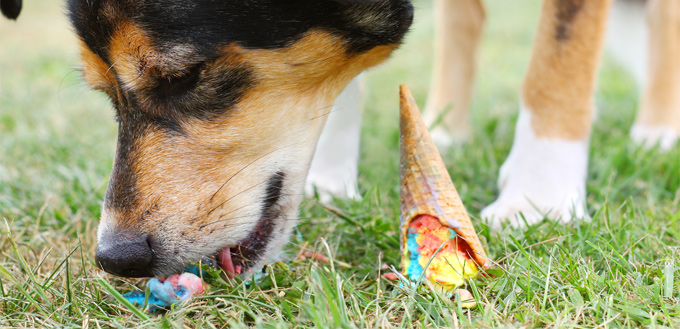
427,189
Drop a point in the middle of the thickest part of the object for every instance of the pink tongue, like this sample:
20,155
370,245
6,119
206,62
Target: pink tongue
224,259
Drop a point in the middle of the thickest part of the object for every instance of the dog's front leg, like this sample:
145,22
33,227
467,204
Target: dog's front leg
458,30
545,173
658,120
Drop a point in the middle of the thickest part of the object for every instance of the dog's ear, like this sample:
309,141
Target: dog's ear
10,8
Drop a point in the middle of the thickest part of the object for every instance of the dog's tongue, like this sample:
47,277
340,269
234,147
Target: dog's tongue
224,259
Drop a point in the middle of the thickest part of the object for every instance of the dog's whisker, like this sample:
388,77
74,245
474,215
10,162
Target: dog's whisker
232,197
239,208
236,195
111,67
248,165
239,171
324,114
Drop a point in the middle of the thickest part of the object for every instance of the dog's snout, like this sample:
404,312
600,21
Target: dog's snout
125,255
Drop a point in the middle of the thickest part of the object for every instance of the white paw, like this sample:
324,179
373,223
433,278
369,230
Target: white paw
329,189
445,140
442,139
541,178
650,136
520,212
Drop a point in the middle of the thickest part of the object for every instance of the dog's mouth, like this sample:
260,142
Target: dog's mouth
242,257
237,259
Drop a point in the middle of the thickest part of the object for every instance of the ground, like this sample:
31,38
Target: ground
622,269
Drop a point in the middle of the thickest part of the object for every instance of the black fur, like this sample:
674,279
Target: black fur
10,8
252,248
273,193
265,24
121,193
207,25
566,13
201,94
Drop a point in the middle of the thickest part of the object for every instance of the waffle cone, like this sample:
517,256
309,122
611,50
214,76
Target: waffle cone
426,187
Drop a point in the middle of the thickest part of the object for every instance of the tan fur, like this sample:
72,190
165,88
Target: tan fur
458,29
132,55
95,71
660,104
180,180
316,63
138,64
558,87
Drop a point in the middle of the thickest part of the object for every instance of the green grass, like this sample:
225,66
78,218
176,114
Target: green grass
620,270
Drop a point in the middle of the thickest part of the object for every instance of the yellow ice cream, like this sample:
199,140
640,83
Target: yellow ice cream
447,268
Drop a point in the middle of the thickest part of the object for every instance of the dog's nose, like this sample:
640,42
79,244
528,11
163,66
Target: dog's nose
125,255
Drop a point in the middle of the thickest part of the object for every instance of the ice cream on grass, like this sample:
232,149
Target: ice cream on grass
165,292
432,246
438,241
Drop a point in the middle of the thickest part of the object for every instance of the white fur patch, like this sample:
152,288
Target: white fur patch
541,178
334,168
650,136
103,229
444,140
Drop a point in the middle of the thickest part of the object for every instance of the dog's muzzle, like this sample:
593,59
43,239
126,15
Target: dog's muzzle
126,255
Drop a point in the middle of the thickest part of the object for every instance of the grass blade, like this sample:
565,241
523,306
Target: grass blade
118,297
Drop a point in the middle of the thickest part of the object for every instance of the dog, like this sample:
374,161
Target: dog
219,106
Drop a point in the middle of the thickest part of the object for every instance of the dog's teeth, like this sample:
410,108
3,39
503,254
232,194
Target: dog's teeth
426,187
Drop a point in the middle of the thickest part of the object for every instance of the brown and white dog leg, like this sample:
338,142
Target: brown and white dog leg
458,29
545,173
658,120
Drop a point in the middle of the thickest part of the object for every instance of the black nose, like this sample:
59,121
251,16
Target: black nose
125,255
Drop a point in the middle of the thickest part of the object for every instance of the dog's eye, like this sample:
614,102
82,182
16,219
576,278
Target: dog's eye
177,85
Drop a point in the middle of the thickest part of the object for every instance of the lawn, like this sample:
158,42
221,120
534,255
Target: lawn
622,269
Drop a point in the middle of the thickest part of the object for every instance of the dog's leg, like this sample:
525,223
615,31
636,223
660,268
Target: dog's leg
458,29
334,168
545,173
658,120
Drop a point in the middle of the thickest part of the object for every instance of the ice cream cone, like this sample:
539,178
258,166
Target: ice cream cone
427,189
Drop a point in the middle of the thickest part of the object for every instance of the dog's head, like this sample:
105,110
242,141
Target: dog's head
219,106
